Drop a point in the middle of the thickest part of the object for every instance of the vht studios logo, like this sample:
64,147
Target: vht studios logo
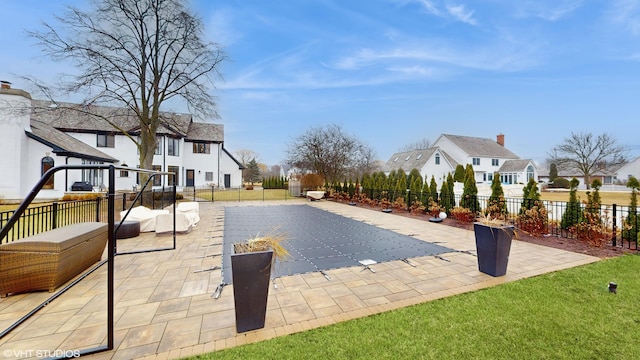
40,354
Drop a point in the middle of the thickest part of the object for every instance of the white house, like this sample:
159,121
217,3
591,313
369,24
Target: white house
632,168
487,157
36,135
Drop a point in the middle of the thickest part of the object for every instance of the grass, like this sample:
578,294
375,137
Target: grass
563,315
243,194
608,197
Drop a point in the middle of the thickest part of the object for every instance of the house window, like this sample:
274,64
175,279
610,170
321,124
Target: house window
173,180
157,179
45,164
437,159
93,176
199,148
158,146
495,162
476,161
529,172
106,140
208,176
407,158
396,159
173,147
418,157
489,177
124,173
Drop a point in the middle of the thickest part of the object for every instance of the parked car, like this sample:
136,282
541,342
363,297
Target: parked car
81,186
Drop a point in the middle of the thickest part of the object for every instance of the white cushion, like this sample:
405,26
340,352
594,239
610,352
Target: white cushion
145,216
190,208
164,223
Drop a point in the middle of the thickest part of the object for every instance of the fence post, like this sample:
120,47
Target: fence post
408,199
54,215
98,209
615,227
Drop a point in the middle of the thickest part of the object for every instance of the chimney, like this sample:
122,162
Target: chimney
5,84
500,139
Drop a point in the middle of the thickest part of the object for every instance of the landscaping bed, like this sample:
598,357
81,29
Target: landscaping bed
553,241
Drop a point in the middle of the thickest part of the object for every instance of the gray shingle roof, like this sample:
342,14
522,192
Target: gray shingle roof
90,118
481,147
64,144
205,132
414,159
514,165
408,160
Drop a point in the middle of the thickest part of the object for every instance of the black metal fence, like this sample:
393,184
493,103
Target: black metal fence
41,218
623,220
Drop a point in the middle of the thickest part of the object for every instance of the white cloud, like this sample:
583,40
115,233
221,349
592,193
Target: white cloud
507,56
462,14
430,7
446,10
549,10
413,71
626,13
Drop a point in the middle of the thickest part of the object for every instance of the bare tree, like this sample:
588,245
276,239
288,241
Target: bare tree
274,170
586,153
418,145
136,55
328,151
245,155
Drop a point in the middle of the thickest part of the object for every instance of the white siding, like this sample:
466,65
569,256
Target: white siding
630,169
13,122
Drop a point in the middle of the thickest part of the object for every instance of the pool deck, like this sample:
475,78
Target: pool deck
164,307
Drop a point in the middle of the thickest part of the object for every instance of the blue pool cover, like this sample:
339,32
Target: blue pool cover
317,239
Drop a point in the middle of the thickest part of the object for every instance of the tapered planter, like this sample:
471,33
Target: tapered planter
493,244
251,273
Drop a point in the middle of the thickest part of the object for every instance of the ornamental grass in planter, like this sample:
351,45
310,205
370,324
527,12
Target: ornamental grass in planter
493,244
251,266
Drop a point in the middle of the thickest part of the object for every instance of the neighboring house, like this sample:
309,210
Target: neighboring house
628,170
36,135
606,176
486,156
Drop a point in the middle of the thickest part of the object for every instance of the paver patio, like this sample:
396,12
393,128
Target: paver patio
164,307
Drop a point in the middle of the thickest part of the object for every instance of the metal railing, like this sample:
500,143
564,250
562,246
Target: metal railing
53,218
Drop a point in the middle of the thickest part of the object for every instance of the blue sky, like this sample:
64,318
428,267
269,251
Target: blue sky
393,72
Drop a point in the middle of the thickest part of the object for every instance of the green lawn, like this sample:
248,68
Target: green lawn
608,197
243,194
564,315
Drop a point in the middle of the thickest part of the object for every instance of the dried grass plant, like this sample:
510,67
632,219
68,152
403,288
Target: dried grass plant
271,241
501,222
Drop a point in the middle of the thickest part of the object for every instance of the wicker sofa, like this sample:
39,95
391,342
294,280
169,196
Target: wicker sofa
47,260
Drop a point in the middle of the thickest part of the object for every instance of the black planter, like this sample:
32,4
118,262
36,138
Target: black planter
251,273
493,245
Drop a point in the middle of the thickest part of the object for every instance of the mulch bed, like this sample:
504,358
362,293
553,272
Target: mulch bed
557,242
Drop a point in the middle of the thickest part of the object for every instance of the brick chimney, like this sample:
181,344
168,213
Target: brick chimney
500,139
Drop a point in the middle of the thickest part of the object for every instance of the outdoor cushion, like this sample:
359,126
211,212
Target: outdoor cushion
145,216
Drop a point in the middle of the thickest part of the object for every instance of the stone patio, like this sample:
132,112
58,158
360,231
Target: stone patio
165,309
